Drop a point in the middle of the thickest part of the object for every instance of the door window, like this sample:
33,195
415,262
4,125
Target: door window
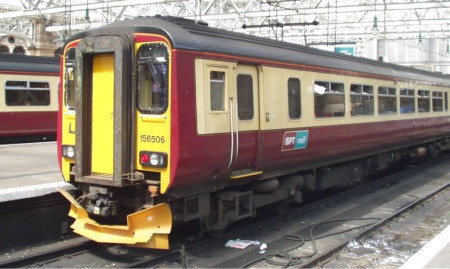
245,97
294,98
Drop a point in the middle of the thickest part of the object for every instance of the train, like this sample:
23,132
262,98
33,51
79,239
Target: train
29,98
165,121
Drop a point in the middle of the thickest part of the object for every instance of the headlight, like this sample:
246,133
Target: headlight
154,159
68,151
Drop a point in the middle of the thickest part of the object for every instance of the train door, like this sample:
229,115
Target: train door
245,121
102,113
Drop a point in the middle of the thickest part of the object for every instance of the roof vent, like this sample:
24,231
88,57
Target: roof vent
201,22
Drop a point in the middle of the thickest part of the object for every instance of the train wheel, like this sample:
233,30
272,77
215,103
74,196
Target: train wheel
208,225
216,233
283,206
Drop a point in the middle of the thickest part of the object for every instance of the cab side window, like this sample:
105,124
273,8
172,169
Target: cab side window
69,78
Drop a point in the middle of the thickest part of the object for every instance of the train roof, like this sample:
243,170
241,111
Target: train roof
198,36
26,63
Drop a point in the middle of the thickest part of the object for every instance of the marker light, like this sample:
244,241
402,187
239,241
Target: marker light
145,157
68,151
154,159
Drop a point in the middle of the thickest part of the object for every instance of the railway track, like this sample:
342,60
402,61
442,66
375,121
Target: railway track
304,237
43,255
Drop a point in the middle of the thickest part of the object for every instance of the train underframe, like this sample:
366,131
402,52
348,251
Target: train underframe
216,210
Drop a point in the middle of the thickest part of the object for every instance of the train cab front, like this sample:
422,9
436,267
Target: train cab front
115,137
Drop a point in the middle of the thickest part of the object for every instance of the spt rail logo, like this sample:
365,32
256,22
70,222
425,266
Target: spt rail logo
295,140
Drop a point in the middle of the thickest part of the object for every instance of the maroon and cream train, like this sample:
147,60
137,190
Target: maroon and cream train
29,97
165,120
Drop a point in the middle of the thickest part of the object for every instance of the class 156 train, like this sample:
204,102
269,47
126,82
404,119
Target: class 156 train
165,120
29,97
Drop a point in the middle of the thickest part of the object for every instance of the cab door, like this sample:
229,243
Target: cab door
102,122
246,121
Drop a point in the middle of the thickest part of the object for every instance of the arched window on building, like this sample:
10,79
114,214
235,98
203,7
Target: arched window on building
19,50
4,49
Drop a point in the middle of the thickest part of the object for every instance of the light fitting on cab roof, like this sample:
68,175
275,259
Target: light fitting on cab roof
87,19
375,30
420,42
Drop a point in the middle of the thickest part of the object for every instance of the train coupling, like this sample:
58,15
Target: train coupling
148,228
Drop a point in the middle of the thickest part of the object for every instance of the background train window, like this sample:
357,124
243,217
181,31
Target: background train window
294,98
361,97
446,101
387,100
153,78
438,104
245,97
217,90
423,101
407,101
27,93
329,99
69,87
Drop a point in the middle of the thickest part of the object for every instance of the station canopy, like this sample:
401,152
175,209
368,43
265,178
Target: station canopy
298,21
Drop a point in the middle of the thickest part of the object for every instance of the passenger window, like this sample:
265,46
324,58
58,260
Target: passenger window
387,100
446,101
361,97
294,98
153,77
423,101
69,79
27,93
245,97
217,90
407,101
438,102
329,99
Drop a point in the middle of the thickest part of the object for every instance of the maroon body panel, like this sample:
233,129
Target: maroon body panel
28,123
197,159
326,146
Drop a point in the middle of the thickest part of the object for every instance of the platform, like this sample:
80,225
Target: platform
29,170
435,254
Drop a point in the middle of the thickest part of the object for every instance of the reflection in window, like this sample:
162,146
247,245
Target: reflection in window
27,93
423,100
153,78
329,100
438,104
245,97
217,90
294,98
361,97
387,100
407,101
69,78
